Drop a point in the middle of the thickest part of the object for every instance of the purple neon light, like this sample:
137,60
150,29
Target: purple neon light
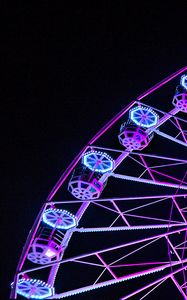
107,126
124,217
49,253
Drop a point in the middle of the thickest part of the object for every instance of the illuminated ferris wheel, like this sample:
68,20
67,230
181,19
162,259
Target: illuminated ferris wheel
114,225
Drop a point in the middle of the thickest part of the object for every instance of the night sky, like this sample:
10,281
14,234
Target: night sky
69,67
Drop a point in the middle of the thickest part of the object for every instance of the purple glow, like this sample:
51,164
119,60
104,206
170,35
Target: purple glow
180,102
134,138
134,216
50,253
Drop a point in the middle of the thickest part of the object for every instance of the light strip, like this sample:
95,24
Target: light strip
118,228
132,178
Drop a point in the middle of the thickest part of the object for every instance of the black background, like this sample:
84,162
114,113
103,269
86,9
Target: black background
67,69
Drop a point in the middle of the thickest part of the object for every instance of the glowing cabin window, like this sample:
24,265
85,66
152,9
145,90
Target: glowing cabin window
143,116
98,161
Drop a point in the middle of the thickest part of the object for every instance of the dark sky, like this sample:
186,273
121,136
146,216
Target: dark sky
69,67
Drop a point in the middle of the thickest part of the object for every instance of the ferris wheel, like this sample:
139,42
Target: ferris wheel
114,225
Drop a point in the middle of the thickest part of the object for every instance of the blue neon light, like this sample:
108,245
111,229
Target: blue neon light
34,289
98,161
143,116
183,81
59,218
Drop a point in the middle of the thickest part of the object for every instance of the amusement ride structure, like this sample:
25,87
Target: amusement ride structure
117,217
